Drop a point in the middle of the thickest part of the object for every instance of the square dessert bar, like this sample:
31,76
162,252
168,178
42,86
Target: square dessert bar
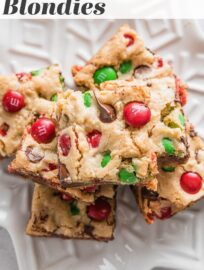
20,96
36,159
124,56
165,133
178,186
95,142
51,215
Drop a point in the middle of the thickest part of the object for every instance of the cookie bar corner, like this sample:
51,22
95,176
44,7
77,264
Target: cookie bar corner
52,216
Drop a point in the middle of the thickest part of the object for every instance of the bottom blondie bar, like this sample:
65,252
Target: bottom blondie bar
53,215
178,187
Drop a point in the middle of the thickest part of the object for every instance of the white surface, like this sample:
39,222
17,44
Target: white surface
174,244
7,255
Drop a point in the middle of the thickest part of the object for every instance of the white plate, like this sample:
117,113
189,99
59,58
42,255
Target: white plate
174,244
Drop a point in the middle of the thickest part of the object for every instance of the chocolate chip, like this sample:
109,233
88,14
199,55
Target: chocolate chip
142,70
184,141
36,115
149,194
33,154
107,112
88,229
64,176
56,193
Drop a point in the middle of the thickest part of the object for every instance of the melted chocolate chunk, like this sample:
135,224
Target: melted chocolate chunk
56,193
107,112
64,176
149,194
185,142
88,229
32,155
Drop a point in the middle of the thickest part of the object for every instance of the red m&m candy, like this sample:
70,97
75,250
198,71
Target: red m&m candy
160,62
43,130
181,90
66,197
24,76
51,167
165,213
94,138
100,210
136,114
130,39
191,182
13,101
65,144
91,189
4,129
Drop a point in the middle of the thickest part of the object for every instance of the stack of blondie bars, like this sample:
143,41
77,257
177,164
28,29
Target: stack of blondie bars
124,126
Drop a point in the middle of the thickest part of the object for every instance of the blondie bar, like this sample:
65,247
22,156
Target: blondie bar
52,215
165,133
178,186
20,97
36,159
95,142
124,56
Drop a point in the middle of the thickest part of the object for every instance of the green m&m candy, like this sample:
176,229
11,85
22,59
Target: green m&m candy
104,74
182,119
128,177
54,98
106,159
125,67
87,99
168,146
62,80
168,169
38,72
74,209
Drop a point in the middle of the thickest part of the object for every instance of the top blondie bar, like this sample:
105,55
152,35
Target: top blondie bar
21,96
124,57
123,63
115,134
95,143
